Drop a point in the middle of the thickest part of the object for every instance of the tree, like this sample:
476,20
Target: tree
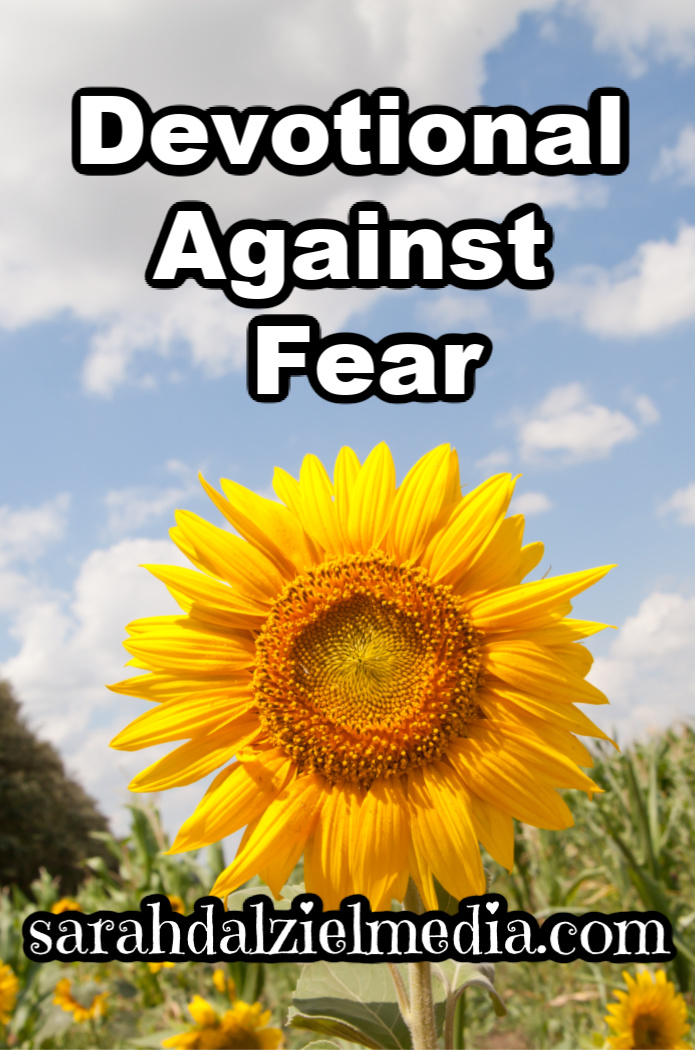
45,816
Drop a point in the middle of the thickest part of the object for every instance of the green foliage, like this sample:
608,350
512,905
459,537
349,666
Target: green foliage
143,1007
354,1002
630,849
47,818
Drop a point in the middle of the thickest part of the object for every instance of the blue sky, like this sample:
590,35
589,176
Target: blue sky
114,395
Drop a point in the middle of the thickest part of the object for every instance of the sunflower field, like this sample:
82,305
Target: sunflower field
631,848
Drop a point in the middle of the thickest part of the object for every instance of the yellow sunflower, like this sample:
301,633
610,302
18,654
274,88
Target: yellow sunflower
650,1015
392,691
82,1011
243,1027
9,986
65,904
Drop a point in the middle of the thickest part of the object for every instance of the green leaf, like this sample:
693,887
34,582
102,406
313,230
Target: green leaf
235,900
85,993
358,995
321,1044
332,1026
54,1026
155,1039
458,976
125,988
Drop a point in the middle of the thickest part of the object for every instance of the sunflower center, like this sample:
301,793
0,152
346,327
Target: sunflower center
646,1033
365,669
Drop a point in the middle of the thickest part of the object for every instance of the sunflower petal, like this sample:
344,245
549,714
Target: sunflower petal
443,829
502,561
419,867
237,796
499,561
199,757
327,868
521,783
534,669
347,467
453,489
159,687
554,635
287,489
381,842
203,1014
502,702
290,817
470,527
230,558
371,500
280,866
316,507
193,645
531,604
494,829
269,526
418,502
207,599
185,717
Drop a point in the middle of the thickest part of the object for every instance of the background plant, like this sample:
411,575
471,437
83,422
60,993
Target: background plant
47,818
631,848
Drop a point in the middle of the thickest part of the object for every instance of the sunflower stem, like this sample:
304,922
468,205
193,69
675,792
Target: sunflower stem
420,987
454,1022
402,997
449,1032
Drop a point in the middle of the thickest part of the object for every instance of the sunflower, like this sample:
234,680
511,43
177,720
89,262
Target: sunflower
81,1010
650,1015
243,1027
178,905
393,692
65,904
9,986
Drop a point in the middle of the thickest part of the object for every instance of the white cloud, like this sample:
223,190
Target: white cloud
69,646
649,294
646,410
678,161
566,427
26,533
87,257
641,30
132,508
496,461
648,672
681,505
454,308
530,503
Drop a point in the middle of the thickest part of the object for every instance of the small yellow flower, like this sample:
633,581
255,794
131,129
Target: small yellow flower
177,903
244,1027
650,1015
65,904
64,998
9,986
225,985
156,967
